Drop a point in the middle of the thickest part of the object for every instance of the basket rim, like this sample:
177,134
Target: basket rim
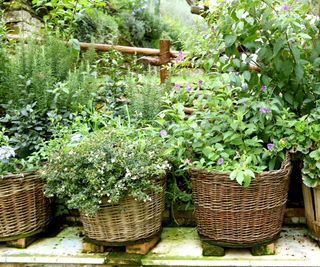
19,174
286,165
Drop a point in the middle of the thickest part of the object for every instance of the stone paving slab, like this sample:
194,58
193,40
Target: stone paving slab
180,246
64,248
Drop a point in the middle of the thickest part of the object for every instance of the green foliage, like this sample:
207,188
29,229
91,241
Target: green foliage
144,98
98,27
63,14
228,132
27,128
114,163
124,22
307,137
43,81
280,38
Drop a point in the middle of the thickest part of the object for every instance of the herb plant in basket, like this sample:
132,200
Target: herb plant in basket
308,143
116,178
24,211
235,149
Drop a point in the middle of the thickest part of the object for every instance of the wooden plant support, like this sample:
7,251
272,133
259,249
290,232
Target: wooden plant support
164,59
22,242
141,247
214,248
312,210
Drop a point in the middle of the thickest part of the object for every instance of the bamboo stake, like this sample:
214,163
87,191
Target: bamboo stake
107,47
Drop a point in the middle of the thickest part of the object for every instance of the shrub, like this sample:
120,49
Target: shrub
113,163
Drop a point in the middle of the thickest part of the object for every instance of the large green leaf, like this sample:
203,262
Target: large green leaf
230,40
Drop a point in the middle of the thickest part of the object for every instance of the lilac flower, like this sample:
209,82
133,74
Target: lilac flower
6,152
264,110
180,57
163,133
263,88
237,154
200,82
285,7
213,29
270,146
177,86
188,86
220,161
244,103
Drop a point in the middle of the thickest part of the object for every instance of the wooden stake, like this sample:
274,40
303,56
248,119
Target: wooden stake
164,59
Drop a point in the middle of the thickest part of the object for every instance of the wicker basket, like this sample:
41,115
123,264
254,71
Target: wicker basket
24,210
129,221
311,198
233,215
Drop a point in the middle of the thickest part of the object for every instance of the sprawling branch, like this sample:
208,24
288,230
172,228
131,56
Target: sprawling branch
190,2
197,9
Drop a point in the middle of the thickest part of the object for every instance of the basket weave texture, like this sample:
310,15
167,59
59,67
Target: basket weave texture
229,213
23,207
128,221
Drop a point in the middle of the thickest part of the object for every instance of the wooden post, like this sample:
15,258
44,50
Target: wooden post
164,59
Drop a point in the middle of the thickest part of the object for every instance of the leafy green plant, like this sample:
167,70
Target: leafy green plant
112,163
97,26
63,14
227,132
10,162
144,98
307,135
269,43
42,81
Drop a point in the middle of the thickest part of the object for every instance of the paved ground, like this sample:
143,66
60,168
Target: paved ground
178,247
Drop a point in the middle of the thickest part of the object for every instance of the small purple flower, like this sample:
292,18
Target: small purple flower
244,103
213,29
220,161
263,88
264,110
180,57
285,7
163,133
237,154
188,86
200,82
270,146
177,86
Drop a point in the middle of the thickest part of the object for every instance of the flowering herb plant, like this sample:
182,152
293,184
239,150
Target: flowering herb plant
308,143
266,44
108,164
241,135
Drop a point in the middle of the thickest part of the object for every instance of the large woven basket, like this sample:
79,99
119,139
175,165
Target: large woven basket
129,221
236,216
24,210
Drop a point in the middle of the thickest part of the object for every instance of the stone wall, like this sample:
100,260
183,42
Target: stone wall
20,18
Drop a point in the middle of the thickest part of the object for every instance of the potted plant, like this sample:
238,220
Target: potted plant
308,144
116,178
24,211
236,151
